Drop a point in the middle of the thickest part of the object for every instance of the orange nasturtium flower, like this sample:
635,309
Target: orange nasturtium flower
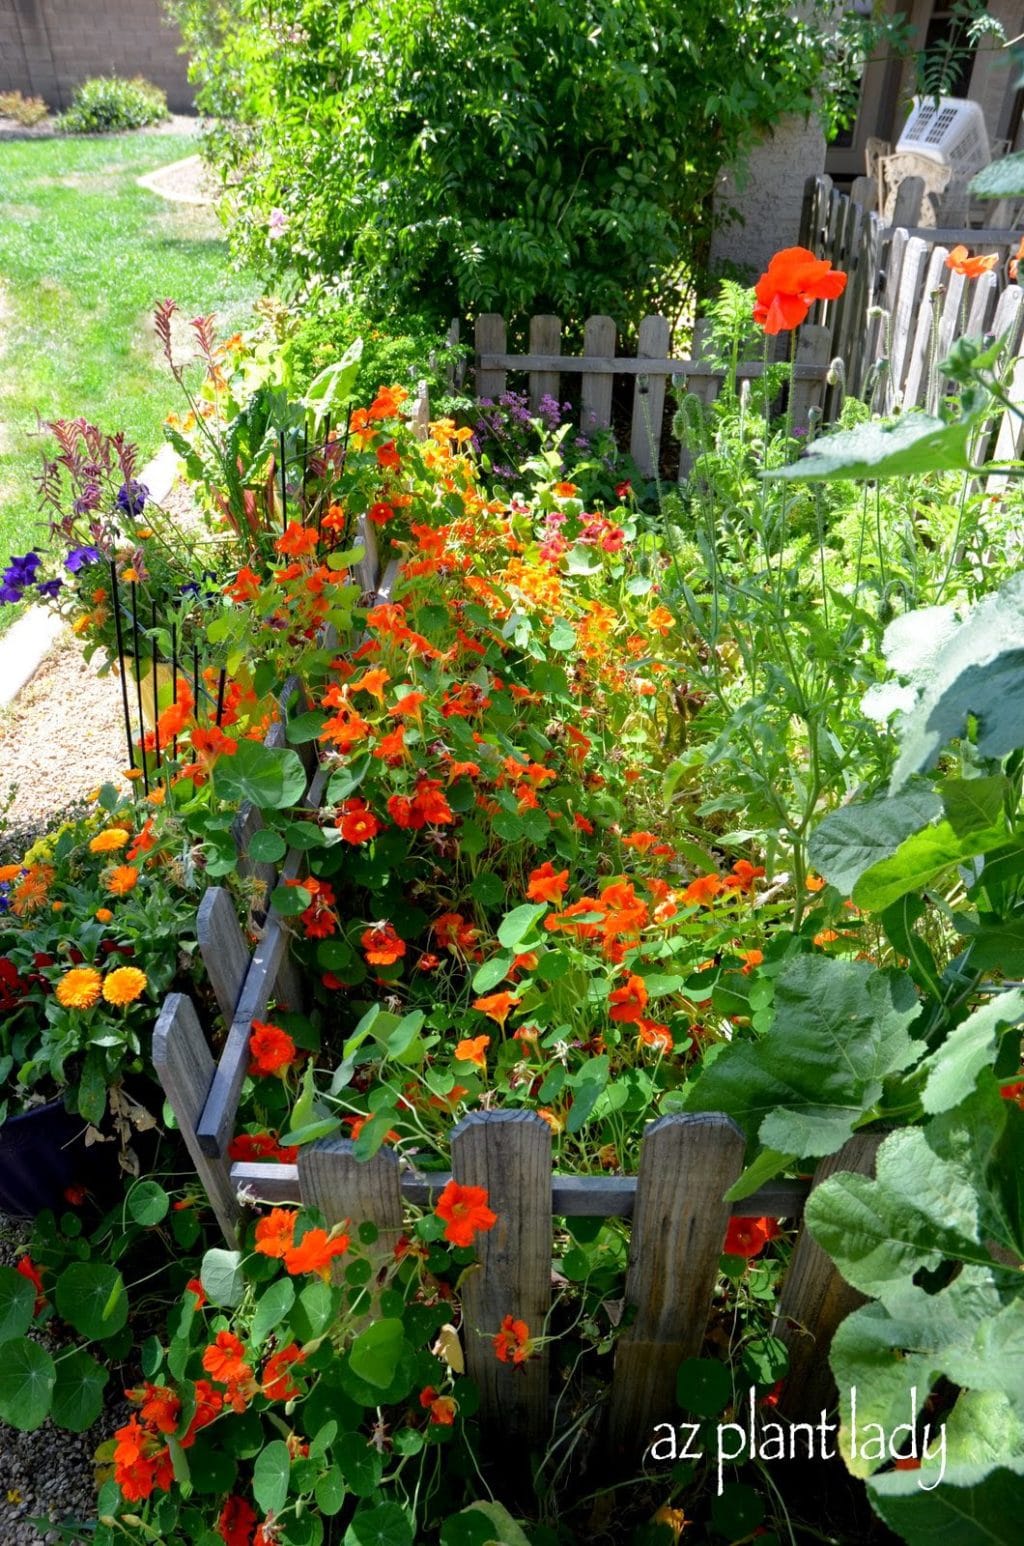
628,1002
358,824
743,876
124,985
795,278
382,945
464,1211
546,884
512,1343
276,1381
702,891
272,1049
275,1233
79,988
473,1050
315,1253
496,1006
442,1409
961,262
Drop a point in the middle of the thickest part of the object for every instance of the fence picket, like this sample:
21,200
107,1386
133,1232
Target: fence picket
489,338
508,1153
545,338
915,259
686,1165
223,948
814,1299
649,399
982,302
185,1069
355,1191
596,388
951,321
814,344
703,388
920,352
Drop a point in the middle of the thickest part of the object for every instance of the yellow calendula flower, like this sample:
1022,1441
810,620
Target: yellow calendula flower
110,841
124,985
79,988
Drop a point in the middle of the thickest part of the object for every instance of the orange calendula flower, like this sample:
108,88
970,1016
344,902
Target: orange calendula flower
512,1343
629,1001
473,1050
565,490
80,988
122,879
110,841
465,1212
275,1233
546,884
315,1252
496,1006
795,279
103,915
382,945
124,985
272,1049
961,262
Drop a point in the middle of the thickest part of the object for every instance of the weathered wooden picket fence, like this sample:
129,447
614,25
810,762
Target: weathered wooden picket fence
903,307
651,370
675,1203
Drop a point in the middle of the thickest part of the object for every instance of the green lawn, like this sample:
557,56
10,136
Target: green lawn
84,254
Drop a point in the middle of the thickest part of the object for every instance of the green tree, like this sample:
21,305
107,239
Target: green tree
460,154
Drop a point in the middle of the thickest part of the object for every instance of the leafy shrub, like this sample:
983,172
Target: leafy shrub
405,349
462,155
108,104
24,110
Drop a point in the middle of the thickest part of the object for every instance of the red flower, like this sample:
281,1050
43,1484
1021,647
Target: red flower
28,1269
465,1212
743,877
387,455
381,945
276,1381
315,1253
794,280
193,1286
236,1522
260,1146
358,824
272,1049
748,1237
512,1343
141,1463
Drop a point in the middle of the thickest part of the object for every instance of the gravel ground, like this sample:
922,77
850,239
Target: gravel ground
10,129
47,1476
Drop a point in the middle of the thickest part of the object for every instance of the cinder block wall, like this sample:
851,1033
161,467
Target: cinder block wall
47,47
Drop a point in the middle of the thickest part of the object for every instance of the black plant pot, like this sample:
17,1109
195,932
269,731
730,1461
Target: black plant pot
41,1153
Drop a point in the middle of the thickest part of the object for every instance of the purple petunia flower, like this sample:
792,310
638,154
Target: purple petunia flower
50,588
131,497
79,557
9,594
22,571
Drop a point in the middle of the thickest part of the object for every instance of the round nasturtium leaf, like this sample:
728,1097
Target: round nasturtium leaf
17,1304
703,1386
78,1392
385,1525
738,1511
27,1377
91,1297
148,1203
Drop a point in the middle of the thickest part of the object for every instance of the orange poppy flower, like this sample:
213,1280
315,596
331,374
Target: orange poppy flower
795,278
465,1212
961,262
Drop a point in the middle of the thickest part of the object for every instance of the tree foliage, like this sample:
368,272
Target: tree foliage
525,156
